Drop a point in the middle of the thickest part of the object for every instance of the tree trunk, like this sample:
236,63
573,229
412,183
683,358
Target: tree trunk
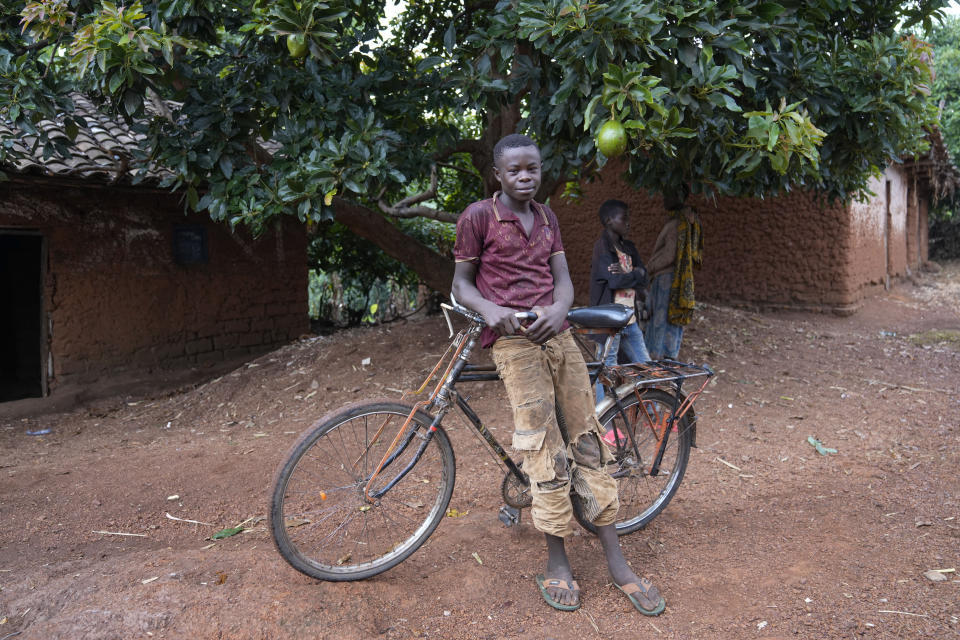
434,270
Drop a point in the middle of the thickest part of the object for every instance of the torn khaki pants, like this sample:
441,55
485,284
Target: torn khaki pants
537,379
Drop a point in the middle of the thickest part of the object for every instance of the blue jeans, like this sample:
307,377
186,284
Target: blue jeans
663,337
630,343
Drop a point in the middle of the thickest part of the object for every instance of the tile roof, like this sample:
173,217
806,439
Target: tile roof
935,168
101,151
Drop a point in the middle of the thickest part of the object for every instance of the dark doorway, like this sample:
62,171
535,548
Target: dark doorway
21,321
887,229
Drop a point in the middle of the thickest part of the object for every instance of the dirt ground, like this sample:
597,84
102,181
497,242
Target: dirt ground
766,538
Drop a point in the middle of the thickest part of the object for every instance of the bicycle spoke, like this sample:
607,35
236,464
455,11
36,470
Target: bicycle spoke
348,536
641,423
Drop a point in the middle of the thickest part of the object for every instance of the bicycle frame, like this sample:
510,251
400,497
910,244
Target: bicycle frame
625,379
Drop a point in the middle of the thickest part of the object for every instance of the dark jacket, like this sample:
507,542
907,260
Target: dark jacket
603,283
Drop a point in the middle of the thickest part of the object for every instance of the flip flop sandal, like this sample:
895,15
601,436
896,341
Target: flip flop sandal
638,593
543,583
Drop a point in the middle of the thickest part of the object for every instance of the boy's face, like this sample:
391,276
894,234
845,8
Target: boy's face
518,172
619,223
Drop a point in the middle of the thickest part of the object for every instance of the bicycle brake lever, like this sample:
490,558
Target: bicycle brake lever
446,314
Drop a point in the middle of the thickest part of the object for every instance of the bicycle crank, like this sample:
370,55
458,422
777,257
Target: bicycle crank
516,491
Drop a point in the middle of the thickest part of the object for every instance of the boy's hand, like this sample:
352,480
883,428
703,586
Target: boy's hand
502,320
615,267
548,323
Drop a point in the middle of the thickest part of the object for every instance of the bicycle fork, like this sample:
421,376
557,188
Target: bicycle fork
397,451
440,401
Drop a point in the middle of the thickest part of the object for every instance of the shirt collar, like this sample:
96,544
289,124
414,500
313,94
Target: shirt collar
510,215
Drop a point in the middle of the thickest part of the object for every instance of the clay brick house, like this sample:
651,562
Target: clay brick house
791,251
106,283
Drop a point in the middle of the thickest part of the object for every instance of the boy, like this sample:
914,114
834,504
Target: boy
509,258
617,275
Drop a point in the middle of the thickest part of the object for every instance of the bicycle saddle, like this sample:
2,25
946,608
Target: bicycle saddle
604,316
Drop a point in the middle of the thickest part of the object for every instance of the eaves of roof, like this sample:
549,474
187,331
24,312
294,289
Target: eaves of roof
102,152
935,169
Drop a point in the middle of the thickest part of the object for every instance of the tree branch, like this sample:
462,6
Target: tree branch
424,212
257,152
159,104
454,167
464,146
405,208
434,270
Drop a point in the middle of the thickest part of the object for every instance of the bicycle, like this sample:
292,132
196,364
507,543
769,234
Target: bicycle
353,499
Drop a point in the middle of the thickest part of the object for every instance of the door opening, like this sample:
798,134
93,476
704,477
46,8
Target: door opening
21,323
887,226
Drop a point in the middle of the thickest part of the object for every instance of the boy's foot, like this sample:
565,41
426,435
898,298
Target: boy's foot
644,596
560,594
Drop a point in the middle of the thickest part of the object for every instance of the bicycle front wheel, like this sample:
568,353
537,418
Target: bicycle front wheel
320,519
643,421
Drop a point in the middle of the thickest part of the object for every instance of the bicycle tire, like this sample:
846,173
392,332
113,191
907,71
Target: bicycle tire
319,519
642,497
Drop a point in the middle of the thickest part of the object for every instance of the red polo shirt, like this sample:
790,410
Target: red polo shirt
513,269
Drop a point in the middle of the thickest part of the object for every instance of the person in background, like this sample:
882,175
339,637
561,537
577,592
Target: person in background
617,275
679,248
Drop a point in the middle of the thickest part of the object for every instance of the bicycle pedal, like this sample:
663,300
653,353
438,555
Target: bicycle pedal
509,516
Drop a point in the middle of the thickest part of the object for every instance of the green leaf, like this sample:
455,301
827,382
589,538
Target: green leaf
450,38
226,166
303,209
773,136
71,128
688,54
769,11
131,102
731,103
793,132
428,63
778,162
816,444
588,114
116,79
226,533
353,186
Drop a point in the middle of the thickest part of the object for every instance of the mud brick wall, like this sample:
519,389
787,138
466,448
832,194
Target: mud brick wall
793,251
118,304
882,229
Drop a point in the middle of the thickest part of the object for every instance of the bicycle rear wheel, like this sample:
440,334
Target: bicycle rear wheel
641,495
319,518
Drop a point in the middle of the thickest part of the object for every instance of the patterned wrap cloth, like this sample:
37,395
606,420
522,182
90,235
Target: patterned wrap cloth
689,255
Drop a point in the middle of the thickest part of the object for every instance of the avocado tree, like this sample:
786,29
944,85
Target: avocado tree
944,233
945,40
317,109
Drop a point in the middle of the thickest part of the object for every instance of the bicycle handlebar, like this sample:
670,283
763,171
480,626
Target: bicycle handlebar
609,316
470,314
